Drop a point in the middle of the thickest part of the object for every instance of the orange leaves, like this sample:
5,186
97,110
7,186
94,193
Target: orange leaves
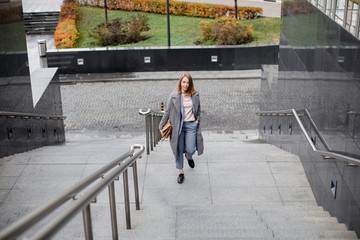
69,10
66,34
181,8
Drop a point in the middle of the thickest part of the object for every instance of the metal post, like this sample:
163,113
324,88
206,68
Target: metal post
151,133
346,9
351,6
154,129
334,9
236,10
111,188
106,16
127,199
325,6
136,186
168,22
357,25
147,130
87,223
158,136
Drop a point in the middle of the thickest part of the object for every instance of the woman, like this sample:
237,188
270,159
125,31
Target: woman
183,111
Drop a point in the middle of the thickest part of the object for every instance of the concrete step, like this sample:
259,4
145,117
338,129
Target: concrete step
313,234
304,207
259,222
225,233
225,224
41,22
306,225
293,213
265,238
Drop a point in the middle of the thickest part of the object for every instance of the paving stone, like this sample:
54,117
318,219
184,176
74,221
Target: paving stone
114,106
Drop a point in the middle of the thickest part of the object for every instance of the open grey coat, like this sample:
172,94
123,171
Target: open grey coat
174,113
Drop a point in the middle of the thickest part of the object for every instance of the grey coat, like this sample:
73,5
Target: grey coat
174,113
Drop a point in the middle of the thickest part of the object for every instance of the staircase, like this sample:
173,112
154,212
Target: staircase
259,222
41,23
240,188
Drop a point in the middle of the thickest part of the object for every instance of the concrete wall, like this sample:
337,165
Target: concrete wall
102,60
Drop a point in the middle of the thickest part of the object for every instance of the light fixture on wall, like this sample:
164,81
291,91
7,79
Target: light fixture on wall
80,61
214,58
147,59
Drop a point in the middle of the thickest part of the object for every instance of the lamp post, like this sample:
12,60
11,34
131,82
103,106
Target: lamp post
168,22
106,17
236,13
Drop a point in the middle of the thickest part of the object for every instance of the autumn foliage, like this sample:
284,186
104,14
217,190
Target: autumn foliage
179,8
226,31
66,33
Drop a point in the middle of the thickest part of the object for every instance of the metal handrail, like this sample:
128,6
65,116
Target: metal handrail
83,202
328,152
152,121
30,115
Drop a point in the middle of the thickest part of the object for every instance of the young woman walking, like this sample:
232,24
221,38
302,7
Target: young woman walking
183,111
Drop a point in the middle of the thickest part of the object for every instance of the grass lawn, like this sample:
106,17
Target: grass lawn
184,30
12,37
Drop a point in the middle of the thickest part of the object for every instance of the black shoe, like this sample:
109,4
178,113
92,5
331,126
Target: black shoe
181,178
190,161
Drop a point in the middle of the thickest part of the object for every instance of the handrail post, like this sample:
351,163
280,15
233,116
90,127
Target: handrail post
87,223
147,130
158,118
127,199
113,210
136,186
151,133
154,130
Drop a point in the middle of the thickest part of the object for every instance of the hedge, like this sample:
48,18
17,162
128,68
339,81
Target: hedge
66,34
179,8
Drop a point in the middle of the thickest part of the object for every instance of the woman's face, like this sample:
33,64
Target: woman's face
184,84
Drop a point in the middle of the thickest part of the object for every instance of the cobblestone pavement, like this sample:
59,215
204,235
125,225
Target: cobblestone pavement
114,106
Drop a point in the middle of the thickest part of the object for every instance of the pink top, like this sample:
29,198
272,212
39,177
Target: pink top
188,108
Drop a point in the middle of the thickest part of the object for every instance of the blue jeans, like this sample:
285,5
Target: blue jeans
186,142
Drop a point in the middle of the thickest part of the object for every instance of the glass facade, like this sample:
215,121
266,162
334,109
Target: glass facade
19,132
319,70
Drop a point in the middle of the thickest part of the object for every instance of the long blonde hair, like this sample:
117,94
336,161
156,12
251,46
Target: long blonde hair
191,90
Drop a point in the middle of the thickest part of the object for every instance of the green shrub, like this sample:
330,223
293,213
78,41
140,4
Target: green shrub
121,31
207,31
135,26
226,31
